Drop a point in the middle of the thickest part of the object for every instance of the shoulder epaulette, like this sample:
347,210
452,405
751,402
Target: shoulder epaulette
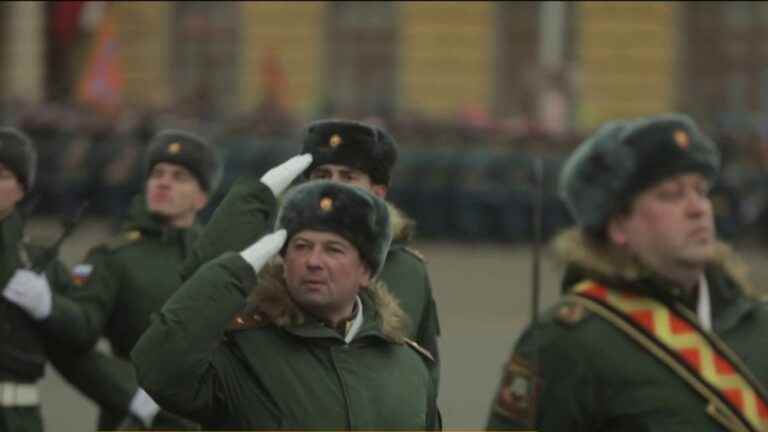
415,253
247,320
123,239
571,313
419,349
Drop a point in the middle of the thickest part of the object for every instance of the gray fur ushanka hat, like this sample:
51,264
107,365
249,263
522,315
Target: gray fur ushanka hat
188,150
626,156
18,155
358,145
349,211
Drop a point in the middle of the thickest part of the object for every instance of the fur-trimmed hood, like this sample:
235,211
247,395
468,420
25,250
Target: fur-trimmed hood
271,299
573,247
402,226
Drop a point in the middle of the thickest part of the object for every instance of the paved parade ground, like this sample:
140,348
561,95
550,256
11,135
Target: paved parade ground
483,295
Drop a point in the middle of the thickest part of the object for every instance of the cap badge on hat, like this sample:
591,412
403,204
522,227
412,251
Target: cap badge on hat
174,148
335,141
326,204
682,139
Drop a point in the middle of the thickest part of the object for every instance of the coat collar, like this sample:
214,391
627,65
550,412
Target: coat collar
607,262
12,228
730,288
141,219
402,225
382,315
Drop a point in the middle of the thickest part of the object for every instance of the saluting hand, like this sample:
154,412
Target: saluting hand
279,177
31,292
144,407
263,249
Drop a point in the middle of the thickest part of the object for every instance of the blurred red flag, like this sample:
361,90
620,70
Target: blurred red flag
101,83
65,20
273,78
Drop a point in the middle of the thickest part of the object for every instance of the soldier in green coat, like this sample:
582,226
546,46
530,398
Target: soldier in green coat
348,152
26,296
127,279
658,328
318,344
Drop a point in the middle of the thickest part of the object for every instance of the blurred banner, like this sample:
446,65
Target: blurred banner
101,83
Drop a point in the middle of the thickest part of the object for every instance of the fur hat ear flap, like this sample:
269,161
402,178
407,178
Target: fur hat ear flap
625,157
358,145
188,150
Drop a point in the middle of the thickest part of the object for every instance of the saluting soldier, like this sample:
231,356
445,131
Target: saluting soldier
25,299
320,343
658,328
130,277
343,151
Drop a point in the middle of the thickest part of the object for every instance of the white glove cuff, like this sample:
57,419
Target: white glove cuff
143,407
278,178
265,248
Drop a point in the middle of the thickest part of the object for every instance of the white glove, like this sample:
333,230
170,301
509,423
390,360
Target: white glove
143,407
31,292
279,177
265,248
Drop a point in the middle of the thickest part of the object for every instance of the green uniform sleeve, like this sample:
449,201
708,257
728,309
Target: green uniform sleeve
109,381
548,390
179,358
241,218
78,318
405,275
429,329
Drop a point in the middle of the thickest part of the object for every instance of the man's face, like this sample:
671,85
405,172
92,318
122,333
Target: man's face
669,224
174,193
324,273
348,175
11,190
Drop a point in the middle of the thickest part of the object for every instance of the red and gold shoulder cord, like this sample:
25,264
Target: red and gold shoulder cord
734,397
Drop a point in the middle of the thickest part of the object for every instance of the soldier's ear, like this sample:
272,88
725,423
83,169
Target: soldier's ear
379,190
617,230
201,199
365,278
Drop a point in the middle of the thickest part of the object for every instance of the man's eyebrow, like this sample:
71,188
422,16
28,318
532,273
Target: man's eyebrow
338,243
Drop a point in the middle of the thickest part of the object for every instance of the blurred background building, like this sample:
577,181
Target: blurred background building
474,92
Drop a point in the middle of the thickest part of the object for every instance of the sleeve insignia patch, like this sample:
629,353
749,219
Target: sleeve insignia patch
247,320
519,391
81,273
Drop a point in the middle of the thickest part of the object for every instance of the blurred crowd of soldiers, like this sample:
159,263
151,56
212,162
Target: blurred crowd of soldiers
472,179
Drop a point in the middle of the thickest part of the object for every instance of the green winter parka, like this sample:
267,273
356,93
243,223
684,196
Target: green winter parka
286,370
125,280
22,339
249,209
575,371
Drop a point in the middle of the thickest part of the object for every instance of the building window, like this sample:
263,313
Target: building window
361,59
725,58
205,66
531,80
